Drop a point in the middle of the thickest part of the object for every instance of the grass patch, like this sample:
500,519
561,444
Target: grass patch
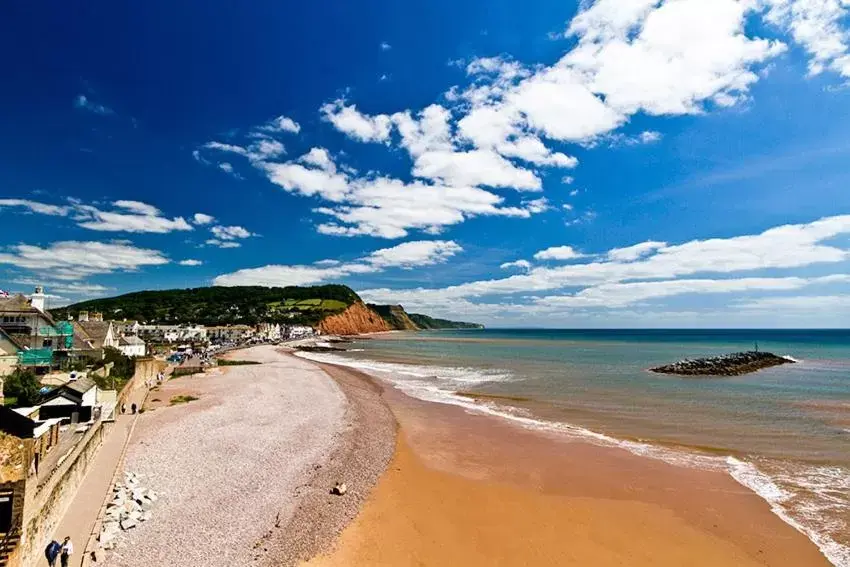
10,401
223,362
182,400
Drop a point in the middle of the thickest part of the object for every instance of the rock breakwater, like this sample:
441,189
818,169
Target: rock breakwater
734,364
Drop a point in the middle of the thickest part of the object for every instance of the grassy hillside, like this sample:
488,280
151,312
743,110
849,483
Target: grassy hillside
425,322
223,305
396,316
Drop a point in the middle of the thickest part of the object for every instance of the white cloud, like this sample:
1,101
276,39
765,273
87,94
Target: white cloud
818,26
520,264
349,120
629,253
36,207
225,167
558,253
385,46
190,262
282,124
778,248
667,58
568,180
202,219
623,294
128,216
71,260
474,167
222,243
805,303
83,102
406,255
230,232
413,254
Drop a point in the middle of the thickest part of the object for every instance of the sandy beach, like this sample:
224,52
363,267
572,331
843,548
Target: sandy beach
467,489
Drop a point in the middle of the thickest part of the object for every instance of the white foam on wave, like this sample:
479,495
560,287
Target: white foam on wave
750,476
438,384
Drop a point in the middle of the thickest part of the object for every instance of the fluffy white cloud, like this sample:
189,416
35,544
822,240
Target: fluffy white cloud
128,216
629,253
475,167
782,247
406,255
413,254
230,232
36,207
85,103
520,264
202,219
819,27
282,124
190,262
359,126
558,253
385,46
71,260
222,243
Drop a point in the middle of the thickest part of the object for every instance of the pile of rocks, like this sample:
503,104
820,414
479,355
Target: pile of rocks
727,365
130,505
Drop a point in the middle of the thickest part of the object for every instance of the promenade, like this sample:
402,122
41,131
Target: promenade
80,517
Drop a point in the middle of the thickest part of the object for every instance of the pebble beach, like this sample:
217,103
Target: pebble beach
241,472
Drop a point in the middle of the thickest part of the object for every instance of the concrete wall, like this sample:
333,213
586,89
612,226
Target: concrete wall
46,501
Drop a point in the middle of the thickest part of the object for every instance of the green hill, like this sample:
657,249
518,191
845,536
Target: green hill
425,322
223,305
247,305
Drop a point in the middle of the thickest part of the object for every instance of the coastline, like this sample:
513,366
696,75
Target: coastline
473,489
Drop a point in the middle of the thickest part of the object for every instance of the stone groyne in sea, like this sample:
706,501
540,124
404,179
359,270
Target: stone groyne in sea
727,365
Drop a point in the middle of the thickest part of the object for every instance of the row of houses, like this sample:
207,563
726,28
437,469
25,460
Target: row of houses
29,336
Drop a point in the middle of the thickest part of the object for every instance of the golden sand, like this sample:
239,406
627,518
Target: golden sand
472,490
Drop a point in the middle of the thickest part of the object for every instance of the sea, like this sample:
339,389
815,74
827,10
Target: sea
783,431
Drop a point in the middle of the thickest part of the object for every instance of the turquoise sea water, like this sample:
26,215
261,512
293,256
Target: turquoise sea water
783,431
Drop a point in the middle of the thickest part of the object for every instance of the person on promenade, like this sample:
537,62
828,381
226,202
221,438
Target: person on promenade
133,407
51,552
123,409
67,551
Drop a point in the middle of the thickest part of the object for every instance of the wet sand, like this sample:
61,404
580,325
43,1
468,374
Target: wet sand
467,489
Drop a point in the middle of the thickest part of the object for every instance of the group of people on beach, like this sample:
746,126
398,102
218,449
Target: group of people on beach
61,551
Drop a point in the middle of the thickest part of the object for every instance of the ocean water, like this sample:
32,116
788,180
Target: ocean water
784,431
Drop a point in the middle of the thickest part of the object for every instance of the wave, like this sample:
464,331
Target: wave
782,487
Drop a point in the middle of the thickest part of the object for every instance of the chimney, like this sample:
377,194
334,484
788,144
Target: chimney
37,299
97,316
83,316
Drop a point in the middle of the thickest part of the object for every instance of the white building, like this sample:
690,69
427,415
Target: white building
299,331
132,345
268,331
230,333
172,333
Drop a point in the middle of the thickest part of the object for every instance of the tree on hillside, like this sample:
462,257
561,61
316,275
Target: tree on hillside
23,385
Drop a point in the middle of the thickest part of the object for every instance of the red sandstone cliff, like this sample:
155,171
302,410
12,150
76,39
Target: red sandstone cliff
358,318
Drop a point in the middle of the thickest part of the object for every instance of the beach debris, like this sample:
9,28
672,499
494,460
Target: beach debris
339,489
130,505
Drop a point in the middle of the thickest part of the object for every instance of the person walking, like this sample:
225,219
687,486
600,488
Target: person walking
67,551
133,407
123,409
51,552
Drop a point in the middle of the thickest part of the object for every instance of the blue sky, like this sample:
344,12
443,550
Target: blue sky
615,163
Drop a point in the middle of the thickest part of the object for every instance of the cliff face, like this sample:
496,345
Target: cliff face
395,316
356,319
